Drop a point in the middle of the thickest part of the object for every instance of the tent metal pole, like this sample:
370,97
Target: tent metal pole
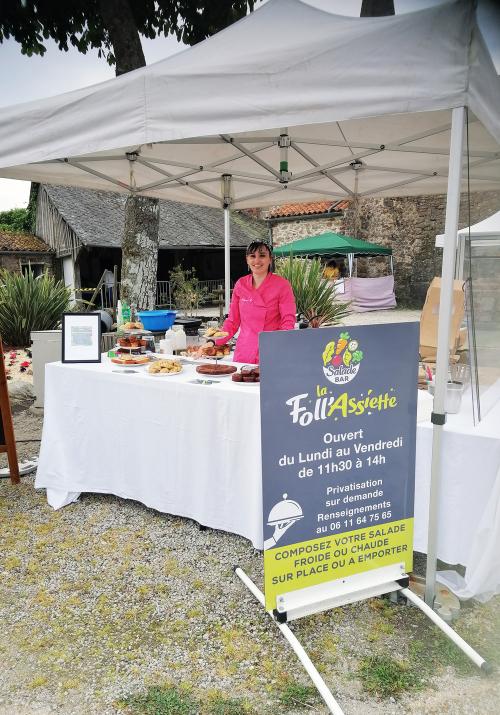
227,259
227,200
438,417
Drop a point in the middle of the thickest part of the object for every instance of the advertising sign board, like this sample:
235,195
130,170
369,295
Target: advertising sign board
338,417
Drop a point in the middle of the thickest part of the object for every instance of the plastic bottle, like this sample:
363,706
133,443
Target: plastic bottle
119,313
125,312
167,345
180,337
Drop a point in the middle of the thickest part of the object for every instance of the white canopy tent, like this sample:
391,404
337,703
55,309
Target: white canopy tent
291,103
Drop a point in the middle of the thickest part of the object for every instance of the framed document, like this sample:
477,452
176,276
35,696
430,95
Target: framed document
81,337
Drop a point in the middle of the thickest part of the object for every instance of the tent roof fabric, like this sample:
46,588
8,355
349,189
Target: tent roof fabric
97,218
488,227
359,101
330,243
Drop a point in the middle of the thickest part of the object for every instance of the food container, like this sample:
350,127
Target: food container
157,319
167,345
453,396
190,325
180,337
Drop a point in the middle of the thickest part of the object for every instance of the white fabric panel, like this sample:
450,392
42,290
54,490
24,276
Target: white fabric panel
285,65
469,512
194,451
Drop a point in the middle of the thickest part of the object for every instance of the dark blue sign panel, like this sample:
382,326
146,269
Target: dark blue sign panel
338,414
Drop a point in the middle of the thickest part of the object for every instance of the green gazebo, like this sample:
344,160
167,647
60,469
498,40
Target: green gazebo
333,244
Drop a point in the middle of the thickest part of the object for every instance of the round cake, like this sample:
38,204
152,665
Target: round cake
210,369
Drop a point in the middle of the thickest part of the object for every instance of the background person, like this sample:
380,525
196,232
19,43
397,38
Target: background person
262,301
109,282
331,271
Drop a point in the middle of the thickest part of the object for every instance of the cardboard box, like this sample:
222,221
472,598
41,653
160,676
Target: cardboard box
429,318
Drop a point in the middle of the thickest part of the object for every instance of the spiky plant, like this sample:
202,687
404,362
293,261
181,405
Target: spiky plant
314,296
28,303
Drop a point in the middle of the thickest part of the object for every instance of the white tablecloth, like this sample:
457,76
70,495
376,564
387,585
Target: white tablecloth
185,449
194,451
469,502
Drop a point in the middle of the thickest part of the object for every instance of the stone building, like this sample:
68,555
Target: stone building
19,251
85,228
406,224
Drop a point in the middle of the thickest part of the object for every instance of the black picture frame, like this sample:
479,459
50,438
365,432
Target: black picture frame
81,338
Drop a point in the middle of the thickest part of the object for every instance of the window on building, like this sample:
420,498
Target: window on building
36,268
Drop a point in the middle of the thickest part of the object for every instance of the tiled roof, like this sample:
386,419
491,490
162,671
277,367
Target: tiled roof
22,243
97,218
314,207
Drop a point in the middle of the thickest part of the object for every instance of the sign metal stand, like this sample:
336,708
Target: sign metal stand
338,419
281,618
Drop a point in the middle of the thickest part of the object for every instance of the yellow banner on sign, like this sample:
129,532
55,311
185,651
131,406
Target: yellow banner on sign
307,563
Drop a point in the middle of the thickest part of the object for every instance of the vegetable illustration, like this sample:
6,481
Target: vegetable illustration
353,345
342,342
347,357
357,356
328,352
337,360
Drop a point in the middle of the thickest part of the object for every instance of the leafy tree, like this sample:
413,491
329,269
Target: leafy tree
114,28
17,220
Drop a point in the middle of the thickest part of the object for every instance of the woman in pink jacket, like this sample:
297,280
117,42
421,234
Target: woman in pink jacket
261,301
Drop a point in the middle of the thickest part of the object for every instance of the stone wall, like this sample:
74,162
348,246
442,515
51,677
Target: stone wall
407,224
13,260
287,231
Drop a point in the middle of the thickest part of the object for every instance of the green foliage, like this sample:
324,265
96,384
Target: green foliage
186,289
221,705
171,700
294,694
314,296
28,303
162,701
80,23
385,676
18,220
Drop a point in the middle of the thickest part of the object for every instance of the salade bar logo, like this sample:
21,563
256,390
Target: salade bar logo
341,359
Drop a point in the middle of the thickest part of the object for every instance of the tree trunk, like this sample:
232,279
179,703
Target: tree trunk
140,252
377,8
123,34
140,242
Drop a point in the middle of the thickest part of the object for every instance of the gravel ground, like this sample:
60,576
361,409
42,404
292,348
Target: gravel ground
106,597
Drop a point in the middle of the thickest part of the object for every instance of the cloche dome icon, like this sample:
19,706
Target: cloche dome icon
285,511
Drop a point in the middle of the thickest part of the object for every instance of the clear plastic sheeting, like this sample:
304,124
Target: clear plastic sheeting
482,270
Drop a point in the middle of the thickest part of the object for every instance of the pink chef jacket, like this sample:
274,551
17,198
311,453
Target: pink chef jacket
271,306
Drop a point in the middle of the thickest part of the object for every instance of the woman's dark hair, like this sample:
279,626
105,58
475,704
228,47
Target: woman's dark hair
255,245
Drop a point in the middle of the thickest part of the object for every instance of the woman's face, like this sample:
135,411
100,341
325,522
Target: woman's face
259,261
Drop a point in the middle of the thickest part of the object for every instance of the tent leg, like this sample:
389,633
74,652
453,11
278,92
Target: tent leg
442,357
227,259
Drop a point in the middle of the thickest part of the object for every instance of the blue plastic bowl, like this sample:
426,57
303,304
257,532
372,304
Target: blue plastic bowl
157,319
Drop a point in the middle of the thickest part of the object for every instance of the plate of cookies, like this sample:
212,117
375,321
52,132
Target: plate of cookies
164,367
209,352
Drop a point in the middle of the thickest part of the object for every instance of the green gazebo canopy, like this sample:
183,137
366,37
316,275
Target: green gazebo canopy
330,243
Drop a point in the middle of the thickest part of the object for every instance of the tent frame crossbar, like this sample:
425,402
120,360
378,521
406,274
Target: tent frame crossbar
301,181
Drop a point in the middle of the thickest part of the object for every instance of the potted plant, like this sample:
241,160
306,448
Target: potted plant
186,289
315,297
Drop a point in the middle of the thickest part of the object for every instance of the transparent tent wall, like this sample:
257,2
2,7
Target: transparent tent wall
480,255
482,272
